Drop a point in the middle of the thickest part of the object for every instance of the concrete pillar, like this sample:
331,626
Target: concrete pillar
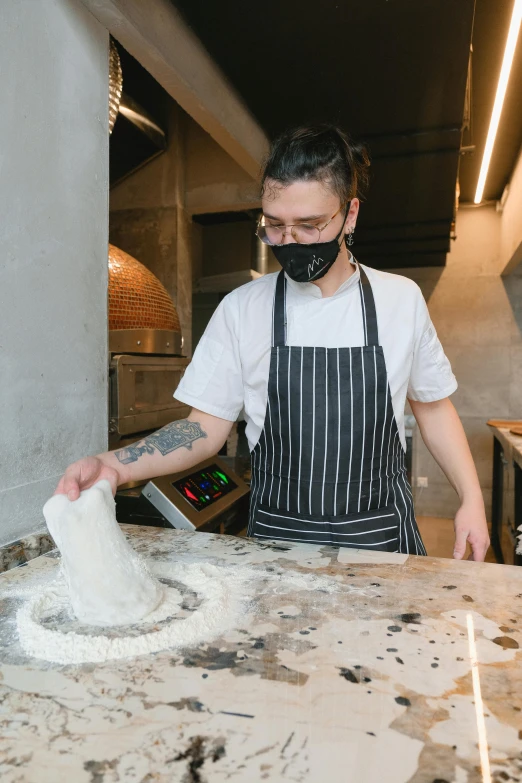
53,234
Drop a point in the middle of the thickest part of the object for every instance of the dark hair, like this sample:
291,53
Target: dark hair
323,153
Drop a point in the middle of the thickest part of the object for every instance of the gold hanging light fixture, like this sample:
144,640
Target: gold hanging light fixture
115,84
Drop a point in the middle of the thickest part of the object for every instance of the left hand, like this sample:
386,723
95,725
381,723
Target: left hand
471,525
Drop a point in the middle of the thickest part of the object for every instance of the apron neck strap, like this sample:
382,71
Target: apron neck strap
279,312
371,333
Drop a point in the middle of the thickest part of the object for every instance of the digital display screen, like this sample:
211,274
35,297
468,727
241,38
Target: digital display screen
205,487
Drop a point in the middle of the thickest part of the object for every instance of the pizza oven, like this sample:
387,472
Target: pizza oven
145,347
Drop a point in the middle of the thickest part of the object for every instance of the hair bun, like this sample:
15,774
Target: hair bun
361,154
322,152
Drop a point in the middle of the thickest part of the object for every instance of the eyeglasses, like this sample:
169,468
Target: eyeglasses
303,233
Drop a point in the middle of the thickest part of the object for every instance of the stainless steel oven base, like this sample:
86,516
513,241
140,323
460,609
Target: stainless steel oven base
141,392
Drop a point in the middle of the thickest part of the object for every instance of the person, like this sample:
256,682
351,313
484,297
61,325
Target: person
319,358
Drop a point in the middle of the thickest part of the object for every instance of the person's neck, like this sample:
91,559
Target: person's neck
341,271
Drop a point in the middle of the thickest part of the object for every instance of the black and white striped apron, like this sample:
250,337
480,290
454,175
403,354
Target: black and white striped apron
329,466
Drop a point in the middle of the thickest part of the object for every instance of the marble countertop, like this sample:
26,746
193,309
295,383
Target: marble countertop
407,669
511,443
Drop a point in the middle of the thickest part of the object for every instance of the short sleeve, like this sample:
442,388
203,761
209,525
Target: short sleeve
213,381
431,376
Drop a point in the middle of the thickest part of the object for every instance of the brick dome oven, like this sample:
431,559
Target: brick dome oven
145,346
137,299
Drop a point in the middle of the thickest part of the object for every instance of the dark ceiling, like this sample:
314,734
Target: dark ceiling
393,73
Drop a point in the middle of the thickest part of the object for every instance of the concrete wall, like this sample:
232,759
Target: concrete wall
214,181
53,235
227,247
511,226
148,220
477,314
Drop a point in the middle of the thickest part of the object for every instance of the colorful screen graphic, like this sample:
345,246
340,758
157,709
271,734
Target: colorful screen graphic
205,487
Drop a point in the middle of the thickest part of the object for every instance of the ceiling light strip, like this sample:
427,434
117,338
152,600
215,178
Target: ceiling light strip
509,54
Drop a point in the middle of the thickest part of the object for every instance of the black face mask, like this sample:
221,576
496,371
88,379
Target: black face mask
306,263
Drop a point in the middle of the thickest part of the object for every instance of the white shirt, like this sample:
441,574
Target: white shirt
228,375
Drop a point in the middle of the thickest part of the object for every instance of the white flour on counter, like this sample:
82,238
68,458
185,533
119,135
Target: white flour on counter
106,603
223,593
104,584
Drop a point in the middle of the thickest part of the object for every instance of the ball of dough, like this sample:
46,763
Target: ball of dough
109,583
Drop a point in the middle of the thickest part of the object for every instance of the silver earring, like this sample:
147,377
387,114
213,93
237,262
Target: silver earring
350,237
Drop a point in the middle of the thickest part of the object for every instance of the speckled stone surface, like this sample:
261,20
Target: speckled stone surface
25,549
369,681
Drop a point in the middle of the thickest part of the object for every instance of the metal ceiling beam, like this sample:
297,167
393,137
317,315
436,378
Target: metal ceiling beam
156,35
415,153
403,224
403,240
411,133
405,252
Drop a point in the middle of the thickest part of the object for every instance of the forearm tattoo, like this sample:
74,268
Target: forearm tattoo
167,439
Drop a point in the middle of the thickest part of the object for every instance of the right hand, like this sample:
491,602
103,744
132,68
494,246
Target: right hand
83,474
